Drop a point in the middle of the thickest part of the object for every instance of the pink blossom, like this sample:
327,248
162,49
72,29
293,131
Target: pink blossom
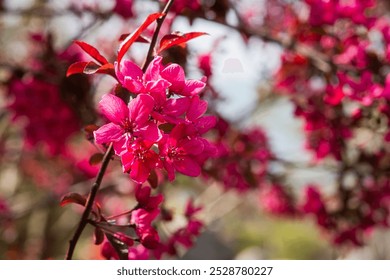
175,75
130,75
139,160
169,110
274,200
138,252
204,63
314,205
127,122
50,121
190,209
124,8
109,252
145,200
181,5
197,123
177,151
142,220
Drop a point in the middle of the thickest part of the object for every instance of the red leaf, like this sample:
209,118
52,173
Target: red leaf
140,39
91,128
125,45
98,236
76,68
93,52
73,198
96,159
166,127
92,68
171,40
153,179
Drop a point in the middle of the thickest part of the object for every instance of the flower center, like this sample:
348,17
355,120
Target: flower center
128,126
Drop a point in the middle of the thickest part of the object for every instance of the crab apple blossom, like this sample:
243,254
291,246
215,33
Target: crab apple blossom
127,122
124,8
131,76
158,126
177,153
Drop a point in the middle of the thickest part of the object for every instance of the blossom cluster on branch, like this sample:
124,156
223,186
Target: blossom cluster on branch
158,125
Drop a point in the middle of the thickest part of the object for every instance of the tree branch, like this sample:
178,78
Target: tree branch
160,21
109,153
90,201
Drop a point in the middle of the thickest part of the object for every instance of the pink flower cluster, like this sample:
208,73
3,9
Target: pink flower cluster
241,161
181,5
46,118
275,200
329,11
147,243
349,95
351,225
161,126
183,237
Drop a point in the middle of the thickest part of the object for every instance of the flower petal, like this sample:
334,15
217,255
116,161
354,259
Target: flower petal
113,108
134,85
160,85
196,109
174,73
187,166
140,108
205,123
127,161
108,133
193,146
152,73
128,69
176,107
149,132
170,170
139,171
193,87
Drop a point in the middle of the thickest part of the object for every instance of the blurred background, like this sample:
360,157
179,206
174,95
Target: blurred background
45,152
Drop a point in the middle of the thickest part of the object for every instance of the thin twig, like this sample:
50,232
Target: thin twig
109,153
159,21
90,201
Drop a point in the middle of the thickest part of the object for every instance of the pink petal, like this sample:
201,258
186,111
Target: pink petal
120,146
159,98
113,108
108,133
205,123
128,69
160,85
178,132
187,166
174,73
170,170
127,160
140,108
149,132
196,109
154,69
139,171
176,107
133,85
193,87
193,146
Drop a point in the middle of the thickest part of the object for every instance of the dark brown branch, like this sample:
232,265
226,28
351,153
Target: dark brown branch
90,201
160,21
